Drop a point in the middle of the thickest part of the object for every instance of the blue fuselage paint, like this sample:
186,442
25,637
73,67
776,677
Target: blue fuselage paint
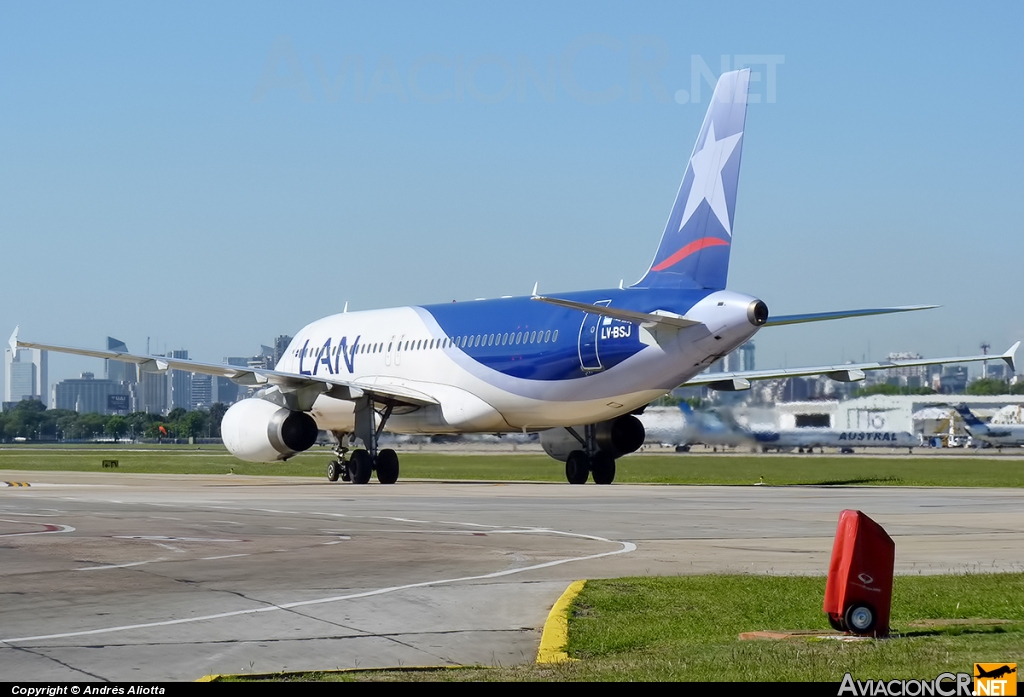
586,343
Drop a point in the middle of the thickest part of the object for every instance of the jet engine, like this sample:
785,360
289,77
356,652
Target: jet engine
619,436
256,430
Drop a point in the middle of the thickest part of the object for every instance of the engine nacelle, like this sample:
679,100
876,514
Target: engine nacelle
619,436
256,430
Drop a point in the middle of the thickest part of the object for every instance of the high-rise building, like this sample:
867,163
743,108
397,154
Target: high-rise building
745,353
153,395
87,395
24,374
202,391
280,347
228,391
118,371
180,383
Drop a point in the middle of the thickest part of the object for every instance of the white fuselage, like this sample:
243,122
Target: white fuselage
406,348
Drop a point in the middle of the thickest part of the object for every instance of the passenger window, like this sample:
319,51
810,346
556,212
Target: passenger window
554,337
533,337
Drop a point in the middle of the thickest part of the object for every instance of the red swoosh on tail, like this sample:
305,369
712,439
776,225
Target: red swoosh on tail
689,249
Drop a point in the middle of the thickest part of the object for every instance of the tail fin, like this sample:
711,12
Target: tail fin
694,250
969,418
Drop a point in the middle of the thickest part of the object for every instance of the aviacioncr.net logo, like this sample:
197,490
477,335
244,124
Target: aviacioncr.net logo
945,685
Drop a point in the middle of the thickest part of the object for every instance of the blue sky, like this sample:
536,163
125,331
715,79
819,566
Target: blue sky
201,175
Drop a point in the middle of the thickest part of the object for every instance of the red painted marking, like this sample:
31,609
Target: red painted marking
689,249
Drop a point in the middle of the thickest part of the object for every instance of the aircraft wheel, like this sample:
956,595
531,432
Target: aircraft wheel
387,466
577,467
360,467
602,467
860,618
333,470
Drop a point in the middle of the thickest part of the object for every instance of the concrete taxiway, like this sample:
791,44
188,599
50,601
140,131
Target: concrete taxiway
110,576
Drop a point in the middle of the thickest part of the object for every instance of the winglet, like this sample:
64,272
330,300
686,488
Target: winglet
1008,356
534,293
13,342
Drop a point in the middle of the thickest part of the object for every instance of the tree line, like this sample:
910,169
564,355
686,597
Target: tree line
31,420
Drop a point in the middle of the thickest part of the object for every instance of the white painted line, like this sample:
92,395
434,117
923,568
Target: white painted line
165,538
225,556
625,548
226,522
119,566
50,529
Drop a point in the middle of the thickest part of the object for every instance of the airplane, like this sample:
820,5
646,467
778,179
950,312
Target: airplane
575,367
997,435
683,427
999,672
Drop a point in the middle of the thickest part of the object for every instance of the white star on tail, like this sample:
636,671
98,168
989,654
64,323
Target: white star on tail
707,177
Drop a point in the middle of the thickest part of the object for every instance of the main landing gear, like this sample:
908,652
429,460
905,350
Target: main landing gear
357,466
590,460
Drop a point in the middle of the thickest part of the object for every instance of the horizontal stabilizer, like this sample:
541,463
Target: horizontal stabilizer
666,320
842,314
850,372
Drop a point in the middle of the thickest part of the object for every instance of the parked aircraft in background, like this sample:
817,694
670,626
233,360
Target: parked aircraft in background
683,427
997,435
574,366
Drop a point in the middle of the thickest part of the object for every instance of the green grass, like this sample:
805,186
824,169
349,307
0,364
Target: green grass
664,469
687,628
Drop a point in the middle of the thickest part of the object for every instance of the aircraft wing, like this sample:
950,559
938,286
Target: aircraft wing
288,383
850,372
